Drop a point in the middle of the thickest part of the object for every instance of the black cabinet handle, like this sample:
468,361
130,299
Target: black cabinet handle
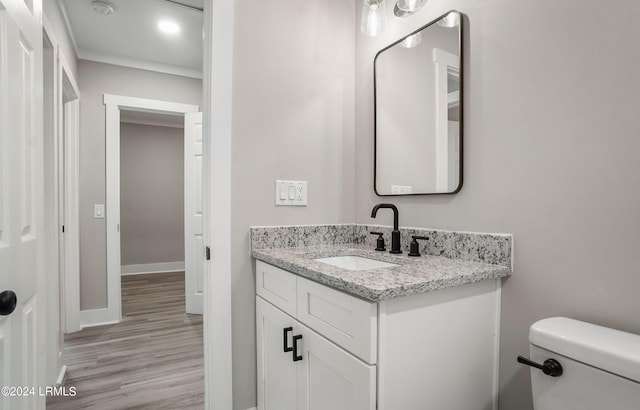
550,367
295,348
285,332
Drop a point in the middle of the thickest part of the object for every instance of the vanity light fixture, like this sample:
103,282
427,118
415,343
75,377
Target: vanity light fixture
168,27
405,8
103,7
374,17
410,6
411,41
451,20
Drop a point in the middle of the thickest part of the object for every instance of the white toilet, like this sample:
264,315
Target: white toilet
600,367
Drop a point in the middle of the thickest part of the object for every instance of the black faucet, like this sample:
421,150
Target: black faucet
395,235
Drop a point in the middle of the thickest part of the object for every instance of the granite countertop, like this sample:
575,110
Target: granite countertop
414,275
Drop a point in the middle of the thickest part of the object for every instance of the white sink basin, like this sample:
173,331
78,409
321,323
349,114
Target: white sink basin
355,262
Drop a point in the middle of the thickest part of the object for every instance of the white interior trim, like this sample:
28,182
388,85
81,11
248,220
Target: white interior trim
443,60
496,347
96,317
153,123
61,376
53,281
217,98
67,69
69,139
68,164
67,24
152,268
141,65
48,29
114,103
71,134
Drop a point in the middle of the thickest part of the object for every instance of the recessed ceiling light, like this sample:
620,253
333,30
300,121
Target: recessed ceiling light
103,7
168,27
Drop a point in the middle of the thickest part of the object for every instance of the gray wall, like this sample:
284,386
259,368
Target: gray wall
551,155
151,194
293,112
96,79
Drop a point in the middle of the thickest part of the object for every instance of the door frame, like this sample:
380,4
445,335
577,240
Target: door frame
217,102
63,250
69,197
114,103
217,137
53,306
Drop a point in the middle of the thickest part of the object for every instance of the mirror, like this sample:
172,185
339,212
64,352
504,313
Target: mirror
418,111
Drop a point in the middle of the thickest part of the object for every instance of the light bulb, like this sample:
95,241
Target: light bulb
411,41
450,20
410,5
373,17
168,27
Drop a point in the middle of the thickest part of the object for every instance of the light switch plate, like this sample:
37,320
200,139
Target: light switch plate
98,211
291,193
401,189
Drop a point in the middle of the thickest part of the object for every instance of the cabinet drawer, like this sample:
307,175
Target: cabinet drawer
276,286
344,319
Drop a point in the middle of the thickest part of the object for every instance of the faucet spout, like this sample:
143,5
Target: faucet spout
395,235
374,211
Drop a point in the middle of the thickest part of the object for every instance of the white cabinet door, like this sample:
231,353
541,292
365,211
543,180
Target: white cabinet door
22,348
331,378
276,368
193,244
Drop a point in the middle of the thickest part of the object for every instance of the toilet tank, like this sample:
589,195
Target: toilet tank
601,366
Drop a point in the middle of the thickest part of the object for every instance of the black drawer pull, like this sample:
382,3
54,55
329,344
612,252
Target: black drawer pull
295,348
285,332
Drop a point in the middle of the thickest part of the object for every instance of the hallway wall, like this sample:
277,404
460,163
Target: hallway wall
151,194
96,79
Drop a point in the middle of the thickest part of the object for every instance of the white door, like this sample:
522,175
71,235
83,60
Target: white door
193,243
331,378
277,389
21,198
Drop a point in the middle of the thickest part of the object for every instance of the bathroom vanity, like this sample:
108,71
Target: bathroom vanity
416,333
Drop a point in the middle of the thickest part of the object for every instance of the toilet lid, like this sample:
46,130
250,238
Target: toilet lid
607,349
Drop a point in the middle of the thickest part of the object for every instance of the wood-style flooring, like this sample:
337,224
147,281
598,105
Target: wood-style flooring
153,359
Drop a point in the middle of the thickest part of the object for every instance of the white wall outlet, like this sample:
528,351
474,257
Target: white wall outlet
291,193
98,211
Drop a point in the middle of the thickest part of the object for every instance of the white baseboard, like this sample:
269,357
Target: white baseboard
152,268
61,376
97,317
253,408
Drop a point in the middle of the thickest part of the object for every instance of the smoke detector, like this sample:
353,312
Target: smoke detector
103,7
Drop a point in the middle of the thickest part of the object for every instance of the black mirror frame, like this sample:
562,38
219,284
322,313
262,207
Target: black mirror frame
375,128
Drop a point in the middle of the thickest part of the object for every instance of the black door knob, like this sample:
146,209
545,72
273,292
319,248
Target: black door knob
8,302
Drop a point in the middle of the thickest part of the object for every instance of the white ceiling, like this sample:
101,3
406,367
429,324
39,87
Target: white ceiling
130,35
